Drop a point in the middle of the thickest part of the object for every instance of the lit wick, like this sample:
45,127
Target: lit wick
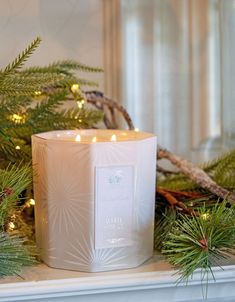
78,138
113,138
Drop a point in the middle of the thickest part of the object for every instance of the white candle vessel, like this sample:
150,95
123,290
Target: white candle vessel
95,198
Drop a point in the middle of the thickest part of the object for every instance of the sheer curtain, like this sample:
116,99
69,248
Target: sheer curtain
227,9
172,72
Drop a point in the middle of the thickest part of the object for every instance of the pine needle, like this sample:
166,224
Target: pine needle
17,179
14,254
200,241
22,58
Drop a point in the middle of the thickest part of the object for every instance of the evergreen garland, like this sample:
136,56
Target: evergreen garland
202,232
14,254
31,101
15,250
200,241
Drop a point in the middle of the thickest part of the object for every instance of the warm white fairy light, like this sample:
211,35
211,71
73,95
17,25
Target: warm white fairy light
94,139
32,202
18,119
17,147
37,93
11,225
78,138
113,138
80,105
205,216
75,88
136,129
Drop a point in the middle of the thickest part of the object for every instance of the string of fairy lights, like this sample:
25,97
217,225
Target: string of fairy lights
21,119
12,223
78,97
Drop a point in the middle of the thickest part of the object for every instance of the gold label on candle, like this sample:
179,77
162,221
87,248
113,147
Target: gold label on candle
114,206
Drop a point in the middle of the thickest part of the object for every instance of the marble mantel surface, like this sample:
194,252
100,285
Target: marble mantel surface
154,281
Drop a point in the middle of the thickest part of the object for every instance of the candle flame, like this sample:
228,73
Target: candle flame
94,140
78,138
113,138
137,129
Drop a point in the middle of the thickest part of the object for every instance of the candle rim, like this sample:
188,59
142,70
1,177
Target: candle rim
136,136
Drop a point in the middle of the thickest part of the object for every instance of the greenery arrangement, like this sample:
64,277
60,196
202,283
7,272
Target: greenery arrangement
195,219
13,251
31,101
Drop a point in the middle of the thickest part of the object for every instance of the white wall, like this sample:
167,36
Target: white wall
70,29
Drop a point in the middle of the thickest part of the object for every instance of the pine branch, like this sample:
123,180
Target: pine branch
14,254
9,154
21,59
47,106
16,180
201,241
66,67
21,85
162,226
10,105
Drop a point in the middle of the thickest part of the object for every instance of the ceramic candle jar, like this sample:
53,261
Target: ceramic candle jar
95,197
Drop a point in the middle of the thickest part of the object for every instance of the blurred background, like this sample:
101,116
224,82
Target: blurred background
169,62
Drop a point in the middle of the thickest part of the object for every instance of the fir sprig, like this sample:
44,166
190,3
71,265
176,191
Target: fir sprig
37,94
15,179
65,66
201,241
14,254
22,85
21,58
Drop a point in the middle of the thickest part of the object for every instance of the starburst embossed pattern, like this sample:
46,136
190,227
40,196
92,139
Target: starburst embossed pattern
82,253
66,199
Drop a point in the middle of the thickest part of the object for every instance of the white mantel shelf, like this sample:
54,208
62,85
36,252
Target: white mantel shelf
153,281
